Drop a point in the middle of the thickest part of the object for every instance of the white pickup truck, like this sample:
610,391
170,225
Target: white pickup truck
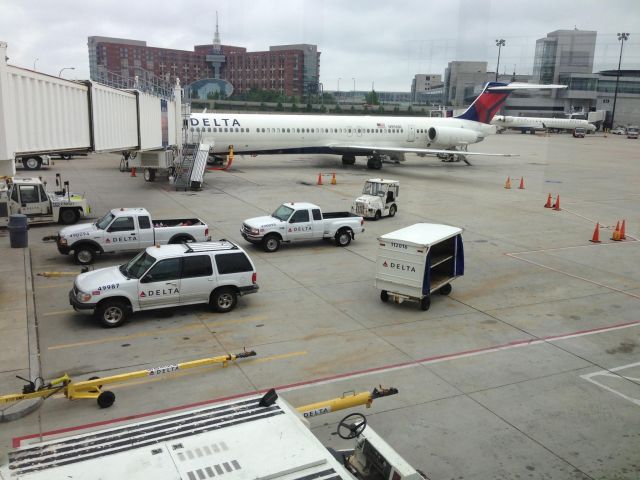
293,222
127,229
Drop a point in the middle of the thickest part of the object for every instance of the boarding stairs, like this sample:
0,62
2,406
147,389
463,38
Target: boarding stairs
190,170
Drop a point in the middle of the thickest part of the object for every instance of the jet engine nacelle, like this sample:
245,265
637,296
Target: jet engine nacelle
451,137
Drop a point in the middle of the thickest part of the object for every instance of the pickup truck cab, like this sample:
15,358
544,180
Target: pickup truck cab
632,131
294,222
127,229
579,132
167,276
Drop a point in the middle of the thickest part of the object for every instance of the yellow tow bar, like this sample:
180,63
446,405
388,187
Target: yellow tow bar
92,388
347,400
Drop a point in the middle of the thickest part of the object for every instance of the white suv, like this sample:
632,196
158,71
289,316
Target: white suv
167,276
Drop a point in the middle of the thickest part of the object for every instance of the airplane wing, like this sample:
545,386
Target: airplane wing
428,151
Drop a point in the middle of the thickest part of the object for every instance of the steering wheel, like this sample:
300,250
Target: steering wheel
352,426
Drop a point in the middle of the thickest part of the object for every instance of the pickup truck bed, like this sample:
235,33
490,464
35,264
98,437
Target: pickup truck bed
338,214
177,222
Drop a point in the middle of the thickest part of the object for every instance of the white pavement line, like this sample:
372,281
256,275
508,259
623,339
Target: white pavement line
610,373
574,276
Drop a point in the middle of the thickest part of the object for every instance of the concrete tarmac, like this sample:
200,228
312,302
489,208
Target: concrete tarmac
528,369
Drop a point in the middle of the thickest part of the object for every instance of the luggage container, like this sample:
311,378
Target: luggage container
416,261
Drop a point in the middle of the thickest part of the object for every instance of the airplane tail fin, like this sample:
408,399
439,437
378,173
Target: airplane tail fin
493,96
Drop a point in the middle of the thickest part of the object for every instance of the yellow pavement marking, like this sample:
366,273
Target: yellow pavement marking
156,332
58,312
198,371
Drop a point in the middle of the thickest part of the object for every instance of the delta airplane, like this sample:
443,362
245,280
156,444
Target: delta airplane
531,124
350,136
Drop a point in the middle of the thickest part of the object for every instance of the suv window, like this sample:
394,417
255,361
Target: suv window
144,223
233,263
300,216
316,214
168,269
121,224
198,266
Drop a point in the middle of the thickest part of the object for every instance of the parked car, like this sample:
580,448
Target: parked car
165,276
632,131
619,131
579,132
127,229
293,222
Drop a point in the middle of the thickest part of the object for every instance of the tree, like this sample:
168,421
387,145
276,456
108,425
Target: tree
279,107
371,98
309,107
380,109
328,98
294,107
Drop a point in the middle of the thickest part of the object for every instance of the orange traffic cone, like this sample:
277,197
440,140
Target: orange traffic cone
133,171
521,187
333,179
556,206
616,233
622,235
548,204
320,179
596,234
507,184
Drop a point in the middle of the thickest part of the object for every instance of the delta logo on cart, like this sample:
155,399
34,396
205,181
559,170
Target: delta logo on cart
158,293
399,266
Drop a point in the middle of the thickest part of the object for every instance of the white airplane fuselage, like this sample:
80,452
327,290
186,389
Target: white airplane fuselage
274,133
533,123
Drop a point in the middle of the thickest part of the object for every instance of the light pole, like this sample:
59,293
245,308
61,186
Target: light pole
622,37
338,92
499,43
65,68
354,89
34,63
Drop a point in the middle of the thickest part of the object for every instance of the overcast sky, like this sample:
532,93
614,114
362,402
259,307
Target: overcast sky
371,41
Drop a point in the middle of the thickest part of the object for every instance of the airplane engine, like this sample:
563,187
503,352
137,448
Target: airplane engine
451,137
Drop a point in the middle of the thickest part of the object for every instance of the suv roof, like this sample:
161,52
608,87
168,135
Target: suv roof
165,251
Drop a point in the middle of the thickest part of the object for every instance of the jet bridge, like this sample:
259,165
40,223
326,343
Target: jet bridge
41,113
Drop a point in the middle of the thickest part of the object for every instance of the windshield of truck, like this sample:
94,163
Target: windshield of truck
282,213
136,267
105,221
373,188
632,130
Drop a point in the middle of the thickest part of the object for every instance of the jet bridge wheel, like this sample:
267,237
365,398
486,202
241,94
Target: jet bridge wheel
149,174
351,426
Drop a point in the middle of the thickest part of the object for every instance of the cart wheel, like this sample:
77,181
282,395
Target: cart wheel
446,289
106,399
425,303
384,296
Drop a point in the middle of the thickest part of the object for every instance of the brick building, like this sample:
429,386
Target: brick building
293,70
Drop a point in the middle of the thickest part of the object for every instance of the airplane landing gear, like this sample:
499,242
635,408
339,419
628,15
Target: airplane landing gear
348,159
374,162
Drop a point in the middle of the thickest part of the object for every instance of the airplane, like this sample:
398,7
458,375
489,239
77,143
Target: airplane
352,136
531,124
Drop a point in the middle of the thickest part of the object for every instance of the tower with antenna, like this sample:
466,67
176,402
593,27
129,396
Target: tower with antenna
217,46
216,59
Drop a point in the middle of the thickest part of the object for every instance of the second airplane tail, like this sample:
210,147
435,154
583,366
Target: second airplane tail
493,96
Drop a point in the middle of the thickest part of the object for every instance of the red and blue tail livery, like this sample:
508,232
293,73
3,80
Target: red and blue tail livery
488,103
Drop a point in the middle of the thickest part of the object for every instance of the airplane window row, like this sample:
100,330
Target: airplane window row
295,130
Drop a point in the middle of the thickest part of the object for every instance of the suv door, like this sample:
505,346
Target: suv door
122,234
160,286
198,279
299,227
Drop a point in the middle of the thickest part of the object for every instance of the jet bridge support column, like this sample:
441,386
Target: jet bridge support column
7,133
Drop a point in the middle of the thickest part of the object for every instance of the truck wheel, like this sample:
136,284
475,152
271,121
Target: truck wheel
32,163
65,156
223,300
69,216
271,243
377,215
84,255
445,289
343,238
384,296
112,313
392,210
425,303
149,175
